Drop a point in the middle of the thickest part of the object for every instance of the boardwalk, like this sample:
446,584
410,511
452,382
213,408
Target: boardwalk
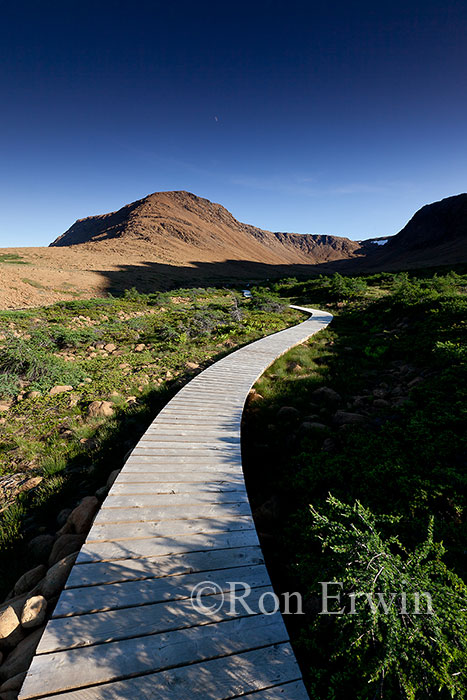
177,516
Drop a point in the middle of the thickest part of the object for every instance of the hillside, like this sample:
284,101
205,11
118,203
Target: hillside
180,225
435,235
174,239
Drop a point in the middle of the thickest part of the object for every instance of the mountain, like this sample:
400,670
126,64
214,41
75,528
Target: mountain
435,235
181,227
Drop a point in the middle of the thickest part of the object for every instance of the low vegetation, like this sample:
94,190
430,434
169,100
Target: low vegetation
354,449
81,380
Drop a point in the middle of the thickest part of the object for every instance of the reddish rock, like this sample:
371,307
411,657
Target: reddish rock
66,544
56,576
28,580
83,515
20,658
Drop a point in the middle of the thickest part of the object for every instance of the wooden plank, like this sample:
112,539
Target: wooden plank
64,670
153,618
157,546
181,486
180,475
114,532
217,679
170,511
76,601
288,691
158,567
203,495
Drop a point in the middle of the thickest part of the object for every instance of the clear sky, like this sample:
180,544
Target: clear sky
316,117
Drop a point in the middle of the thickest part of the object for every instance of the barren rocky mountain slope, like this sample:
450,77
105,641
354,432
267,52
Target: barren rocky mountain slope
166,239
171,239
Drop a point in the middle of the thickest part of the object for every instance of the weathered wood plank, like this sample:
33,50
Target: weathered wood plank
60,671
217,679
115,532
76,601
180,497
153,618
134,549
171,512
158,567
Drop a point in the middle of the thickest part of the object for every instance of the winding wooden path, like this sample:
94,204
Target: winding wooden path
177,516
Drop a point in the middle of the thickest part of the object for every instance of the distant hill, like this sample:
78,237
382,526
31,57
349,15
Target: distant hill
181,227
435,235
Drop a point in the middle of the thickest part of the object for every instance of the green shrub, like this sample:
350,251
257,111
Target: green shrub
404,614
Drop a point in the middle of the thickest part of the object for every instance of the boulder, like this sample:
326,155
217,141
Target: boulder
288,414
32,395
27,581
325,395
20,658
40,547
310,427
11,632
192,365
83,515
100,408
112,476
65,545
110,347
344,417
33,613
140,347
13,683
60,389
5,405
56,576
63,516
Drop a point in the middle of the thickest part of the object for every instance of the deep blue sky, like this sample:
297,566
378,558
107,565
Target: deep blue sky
314,117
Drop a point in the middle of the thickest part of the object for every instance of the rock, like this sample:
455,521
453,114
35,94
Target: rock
56,576
101,493
32,395
192,365
13,683
343,417
65,544
253,396
112,476
9,695
294,367
329,445
20,658
327,396
131,399
309,427
100,408
40,547
5,405
27,581
33,612
63,516
415,381
110,347
140,347
83,515
60,389
381,403
11,632
288,413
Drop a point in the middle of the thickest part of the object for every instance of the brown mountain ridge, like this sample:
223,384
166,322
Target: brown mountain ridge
174,239
180,225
